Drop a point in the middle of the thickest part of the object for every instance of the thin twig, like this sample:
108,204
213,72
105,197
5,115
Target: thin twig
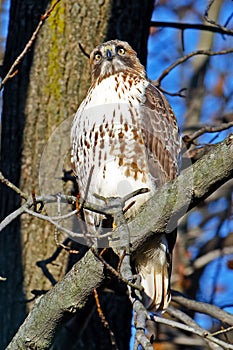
204,308
114,271
207,258
71,234
11,73
183,317
141,315
13,187
104,321
222,331
206,129
186,328
178,93
11,217
83,50
64,216
43,263
185,58
218,27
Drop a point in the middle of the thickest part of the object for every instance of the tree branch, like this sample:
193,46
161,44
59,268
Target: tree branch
184,318
65,298
185,58
206,129
175,198
204,308
194,330
195,26
207,258
13,187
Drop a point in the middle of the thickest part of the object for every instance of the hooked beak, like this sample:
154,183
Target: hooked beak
109,55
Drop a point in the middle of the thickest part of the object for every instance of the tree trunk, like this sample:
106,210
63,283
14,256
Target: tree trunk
24,17
52,81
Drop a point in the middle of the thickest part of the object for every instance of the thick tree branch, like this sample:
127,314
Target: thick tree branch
68,296
174,199
73,291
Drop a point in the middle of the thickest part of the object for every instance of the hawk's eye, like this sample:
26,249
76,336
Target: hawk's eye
120,50
97,56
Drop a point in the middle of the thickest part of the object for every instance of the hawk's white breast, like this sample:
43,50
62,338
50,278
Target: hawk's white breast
107,138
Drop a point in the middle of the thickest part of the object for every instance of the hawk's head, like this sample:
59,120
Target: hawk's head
112,57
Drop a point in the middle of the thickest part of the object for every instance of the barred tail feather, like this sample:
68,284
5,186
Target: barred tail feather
154,267
156,284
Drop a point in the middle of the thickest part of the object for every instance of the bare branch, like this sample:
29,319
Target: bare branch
140,325
184,318
181,60
207,258
11,73
71,234
11,217
191,329
222,331
219,28
88,272
206,129
204,308
104,321
83,50
183,26
12,186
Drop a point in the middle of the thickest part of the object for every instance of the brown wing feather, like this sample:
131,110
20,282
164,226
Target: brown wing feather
161,136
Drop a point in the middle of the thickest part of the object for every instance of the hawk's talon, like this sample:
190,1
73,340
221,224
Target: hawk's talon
114,225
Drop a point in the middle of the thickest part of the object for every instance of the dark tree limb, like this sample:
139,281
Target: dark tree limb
195,26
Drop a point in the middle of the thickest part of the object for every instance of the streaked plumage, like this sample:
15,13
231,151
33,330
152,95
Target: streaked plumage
126,133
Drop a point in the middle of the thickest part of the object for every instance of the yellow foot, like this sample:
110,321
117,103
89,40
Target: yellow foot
114,225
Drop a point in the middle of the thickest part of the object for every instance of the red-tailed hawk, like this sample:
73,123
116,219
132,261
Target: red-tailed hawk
125,137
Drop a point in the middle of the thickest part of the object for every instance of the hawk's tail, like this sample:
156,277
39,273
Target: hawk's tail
154,265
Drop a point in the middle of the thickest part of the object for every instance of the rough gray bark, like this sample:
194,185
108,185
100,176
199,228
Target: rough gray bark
66,297
188,190
24,18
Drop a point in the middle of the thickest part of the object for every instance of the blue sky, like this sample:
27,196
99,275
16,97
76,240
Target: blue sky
164,48
3,33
